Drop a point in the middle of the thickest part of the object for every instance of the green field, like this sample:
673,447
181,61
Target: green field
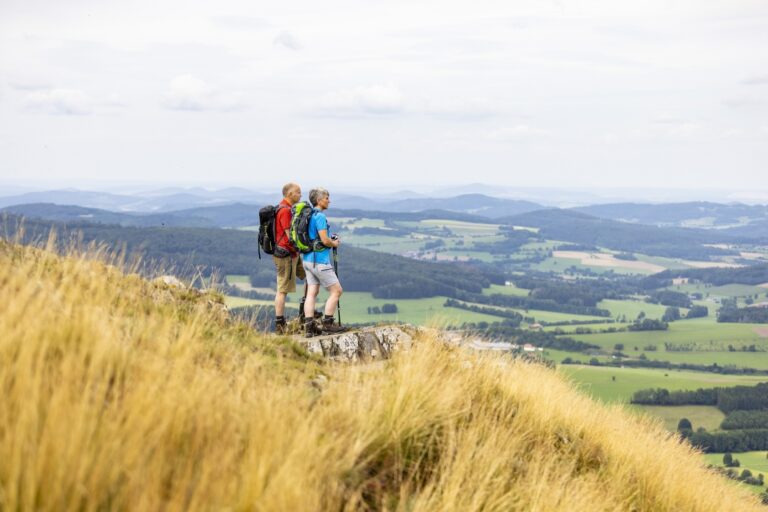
707,416
728,290
757,462
350,223
669,263
383,243
244,283
463,255
701,330
354,309
598,381
631,308
740,359
237,279
558,264
461,228
509,289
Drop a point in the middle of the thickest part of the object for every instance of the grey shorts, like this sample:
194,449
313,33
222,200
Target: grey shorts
321,273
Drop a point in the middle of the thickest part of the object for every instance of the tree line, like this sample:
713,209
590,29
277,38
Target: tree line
752,315
728,399
716,276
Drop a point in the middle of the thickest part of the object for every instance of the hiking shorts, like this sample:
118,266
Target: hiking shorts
288,269
321,273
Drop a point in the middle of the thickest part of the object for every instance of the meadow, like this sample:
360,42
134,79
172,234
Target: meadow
507,289
458,237
697,330
599,381
354,309
427,311
121,394
728,290
707,416
757,462
630,309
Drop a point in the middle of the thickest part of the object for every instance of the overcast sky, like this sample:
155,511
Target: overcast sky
402,94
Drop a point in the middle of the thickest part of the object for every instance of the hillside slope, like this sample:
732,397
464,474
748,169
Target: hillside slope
121,394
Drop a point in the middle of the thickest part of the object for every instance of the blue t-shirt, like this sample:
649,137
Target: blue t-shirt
318,222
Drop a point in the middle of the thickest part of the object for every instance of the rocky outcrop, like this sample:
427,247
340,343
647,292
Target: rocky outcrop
367,344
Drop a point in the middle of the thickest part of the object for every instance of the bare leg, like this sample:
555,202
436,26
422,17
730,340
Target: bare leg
309,304
335,292
280,303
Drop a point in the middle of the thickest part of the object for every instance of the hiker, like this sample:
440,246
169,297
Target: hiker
286,257
318,267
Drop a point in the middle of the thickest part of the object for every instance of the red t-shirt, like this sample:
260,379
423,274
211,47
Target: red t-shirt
283,224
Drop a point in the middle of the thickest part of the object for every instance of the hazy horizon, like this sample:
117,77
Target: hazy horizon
547,196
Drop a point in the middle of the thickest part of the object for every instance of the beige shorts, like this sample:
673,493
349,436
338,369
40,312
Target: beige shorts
288,269
321,274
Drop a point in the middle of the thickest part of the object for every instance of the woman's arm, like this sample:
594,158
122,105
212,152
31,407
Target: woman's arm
327,241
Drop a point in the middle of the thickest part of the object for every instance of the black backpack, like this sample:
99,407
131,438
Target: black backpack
267,235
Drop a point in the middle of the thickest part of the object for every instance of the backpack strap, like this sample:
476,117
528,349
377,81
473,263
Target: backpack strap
280,207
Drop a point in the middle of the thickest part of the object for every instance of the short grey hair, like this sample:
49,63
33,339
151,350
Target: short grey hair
288,187
316,194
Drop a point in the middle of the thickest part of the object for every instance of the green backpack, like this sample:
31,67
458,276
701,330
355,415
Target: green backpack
301,213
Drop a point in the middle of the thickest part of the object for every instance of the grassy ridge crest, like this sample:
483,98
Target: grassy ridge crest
123,394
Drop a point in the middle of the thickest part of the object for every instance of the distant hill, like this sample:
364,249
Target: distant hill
410,216
476,204
699,214
232,251
73,197
578,227
224,216
164,200
175,199
755,230
70,214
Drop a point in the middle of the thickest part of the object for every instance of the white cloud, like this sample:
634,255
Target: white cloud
756,80
374,100
517,132
70,102
186,92
742,102
287,40
671,129
473,109
244,23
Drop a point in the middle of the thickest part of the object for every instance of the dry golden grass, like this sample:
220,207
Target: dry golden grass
123,395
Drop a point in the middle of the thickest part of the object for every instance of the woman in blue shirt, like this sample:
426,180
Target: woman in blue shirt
319,268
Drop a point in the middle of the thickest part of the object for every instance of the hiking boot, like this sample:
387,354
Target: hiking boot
303,318
330,328
281,327
311,329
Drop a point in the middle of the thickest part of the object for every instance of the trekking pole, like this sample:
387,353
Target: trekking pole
336,269
302,316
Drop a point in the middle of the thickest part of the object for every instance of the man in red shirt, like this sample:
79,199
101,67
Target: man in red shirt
286,257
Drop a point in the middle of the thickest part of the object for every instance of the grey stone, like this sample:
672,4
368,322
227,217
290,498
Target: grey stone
367,344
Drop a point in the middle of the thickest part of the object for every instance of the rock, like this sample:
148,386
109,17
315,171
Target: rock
367,344
170,281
